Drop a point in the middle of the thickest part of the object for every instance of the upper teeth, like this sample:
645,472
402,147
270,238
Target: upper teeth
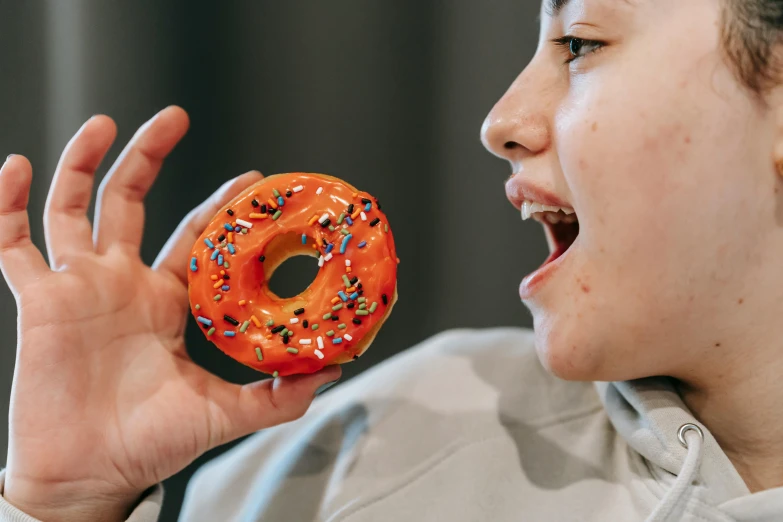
530,207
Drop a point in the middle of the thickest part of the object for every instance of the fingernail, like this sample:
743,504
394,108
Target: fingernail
324,387
10,156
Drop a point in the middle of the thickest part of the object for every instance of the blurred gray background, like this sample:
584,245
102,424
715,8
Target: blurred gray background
387,95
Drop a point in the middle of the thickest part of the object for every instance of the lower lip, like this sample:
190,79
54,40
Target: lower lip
532,283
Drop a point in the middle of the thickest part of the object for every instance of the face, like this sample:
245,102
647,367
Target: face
636,121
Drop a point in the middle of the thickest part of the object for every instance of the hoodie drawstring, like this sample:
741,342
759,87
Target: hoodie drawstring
694,444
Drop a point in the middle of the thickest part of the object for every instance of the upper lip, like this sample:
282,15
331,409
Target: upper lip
519,190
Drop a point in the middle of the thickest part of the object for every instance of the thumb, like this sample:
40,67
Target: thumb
244,409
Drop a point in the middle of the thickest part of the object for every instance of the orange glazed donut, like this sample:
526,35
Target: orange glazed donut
337,317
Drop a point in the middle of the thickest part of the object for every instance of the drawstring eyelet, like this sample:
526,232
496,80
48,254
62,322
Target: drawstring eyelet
685,428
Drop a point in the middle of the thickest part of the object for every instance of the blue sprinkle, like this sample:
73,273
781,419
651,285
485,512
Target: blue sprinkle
355,296
214,255
227,226
345,243
329,247
367,207
204,320
342,295
337,340
229,333
304,239
280,201
225,288
361,245
349,220
220,258
238,229
231,248
193,265
209,243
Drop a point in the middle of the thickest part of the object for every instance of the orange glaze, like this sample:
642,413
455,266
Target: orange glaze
375,265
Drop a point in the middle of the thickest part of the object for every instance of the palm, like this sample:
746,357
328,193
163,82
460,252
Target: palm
104,391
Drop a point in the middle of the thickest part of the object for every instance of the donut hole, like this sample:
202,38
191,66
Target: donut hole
294,276
291,267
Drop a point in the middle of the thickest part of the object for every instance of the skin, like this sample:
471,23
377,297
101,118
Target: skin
105,400
667,159
669,163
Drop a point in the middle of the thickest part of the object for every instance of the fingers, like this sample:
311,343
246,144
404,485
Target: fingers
120,205
20,260
242,410
175,255
67,228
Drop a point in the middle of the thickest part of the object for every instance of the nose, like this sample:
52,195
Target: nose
517,126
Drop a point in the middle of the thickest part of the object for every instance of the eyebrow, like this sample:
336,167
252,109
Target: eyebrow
554,7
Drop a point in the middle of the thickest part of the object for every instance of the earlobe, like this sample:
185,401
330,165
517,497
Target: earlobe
777,152
775,104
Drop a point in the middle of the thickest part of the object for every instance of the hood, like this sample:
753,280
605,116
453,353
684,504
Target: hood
649,414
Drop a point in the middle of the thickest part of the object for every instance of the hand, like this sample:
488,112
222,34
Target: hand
105,400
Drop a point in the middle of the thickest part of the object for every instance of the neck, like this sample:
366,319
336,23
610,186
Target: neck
740,404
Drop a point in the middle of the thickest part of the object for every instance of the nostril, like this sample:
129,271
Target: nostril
509,145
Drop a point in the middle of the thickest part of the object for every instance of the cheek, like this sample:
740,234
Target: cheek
624,170
663,187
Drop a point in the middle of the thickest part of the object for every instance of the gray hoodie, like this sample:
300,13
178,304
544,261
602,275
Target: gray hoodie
469,427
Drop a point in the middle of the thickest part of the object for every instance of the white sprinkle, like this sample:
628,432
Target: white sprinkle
294,320
320,341
321,261
348,337
305,341
320,189
363,215
347,262
328,256
244,223
298,188
319,353
323,217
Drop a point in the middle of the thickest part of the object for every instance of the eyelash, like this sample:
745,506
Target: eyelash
566,42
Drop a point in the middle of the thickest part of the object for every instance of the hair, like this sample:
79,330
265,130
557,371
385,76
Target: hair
752,30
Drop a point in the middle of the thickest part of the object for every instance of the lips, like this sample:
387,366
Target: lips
519,189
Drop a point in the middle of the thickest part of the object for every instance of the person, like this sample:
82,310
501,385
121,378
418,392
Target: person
647,136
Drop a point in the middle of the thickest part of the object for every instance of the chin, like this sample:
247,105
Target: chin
568,349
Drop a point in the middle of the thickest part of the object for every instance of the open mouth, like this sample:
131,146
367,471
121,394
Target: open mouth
561,226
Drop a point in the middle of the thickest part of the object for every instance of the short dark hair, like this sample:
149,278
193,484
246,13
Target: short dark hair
752,31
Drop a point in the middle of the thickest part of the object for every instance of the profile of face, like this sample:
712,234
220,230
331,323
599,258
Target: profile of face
631,115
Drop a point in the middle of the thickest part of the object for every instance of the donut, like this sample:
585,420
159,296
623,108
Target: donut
336,318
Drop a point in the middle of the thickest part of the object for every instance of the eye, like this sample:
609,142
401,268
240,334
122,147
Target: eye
576,48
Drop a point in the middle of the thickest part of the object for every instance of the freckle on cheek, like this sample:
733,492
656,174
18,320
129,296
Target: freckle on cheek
594,126
741,300
585,288
687,139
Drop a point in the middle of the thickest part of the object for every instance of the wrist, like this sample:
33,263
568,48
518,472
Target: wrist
66,502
